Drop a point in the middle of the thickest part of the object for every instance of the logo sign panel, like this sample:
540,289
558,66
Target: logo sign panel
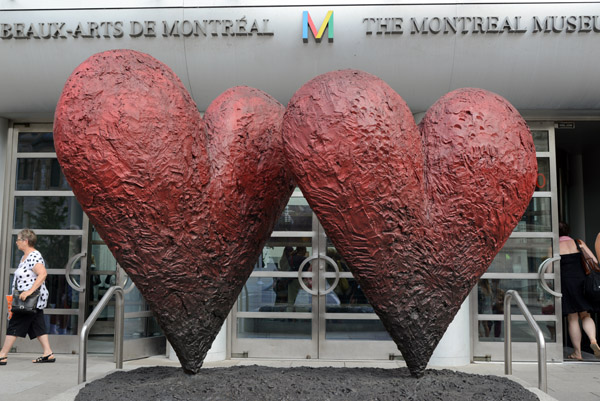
307,23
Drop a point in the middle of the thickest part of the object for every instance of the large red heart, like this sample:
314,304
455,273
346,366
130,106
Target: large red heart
185,205
418,213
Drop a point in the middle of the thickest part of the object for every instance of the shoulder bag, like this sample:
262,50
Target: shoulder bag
24,307
591,285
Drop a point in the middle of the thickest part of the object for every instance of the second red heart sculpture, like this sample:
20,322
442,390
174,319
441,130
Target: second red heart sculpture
418,213
185,204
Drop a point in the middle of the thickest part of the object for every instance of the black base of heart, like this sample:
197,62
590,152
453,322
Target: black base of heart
250,383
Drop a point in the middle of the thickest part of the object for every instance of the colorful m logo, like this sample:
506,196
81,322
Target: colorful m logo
308,22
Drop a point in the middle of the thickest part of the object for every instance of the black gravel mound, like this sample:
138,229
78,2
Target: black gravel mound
250,383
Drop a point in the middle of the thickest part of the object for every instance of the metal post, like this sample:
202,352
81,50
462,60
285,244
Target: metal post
541,342
507,334
119,327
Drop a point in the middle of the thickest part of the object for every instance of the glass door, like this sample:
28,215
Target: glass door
40,198
142,334
273,317
516,267
301,300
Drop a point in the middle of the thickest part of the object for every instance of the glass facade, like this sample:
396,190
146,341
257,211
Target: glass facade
277,303
41,199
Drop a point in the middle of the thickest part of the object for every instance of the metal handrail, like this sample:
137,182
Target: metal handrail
119,327
542,271
541,342
126,290
69,267
327,259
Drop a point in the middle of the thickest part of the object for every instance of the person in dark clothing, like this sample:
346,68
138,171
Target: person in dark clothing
574,304
297,257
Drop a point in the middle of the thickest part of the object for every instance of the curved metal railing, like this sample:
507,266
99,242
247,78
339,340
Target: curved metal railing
119,327
539,336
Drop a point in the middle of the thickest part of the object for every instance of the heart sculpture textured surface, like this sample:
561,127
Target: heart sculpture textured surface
418,213
185,204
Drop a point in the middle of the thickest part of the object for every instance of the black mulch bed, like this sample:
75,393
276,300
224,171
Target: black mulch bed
260,383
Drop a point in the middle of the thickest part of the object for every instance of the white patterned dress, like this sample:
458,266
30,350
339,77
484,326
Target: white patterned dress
25,277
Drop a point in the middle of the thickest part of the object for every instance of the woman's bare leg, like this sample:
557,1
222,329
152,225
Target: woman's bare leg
45,344
575,333
8,343
588,326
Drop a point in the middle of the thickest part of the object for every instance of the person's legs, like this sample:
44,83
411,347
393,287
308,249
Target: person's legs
590,329
38,330
575,334
588,326
45,345
17,327
8,343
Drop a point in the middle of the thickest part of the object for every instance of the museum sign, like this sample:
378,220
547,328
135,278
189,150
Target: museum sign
261,27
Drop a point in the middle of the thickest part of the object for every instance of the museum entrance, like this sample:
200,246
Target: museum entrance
40,198
577,149
301,300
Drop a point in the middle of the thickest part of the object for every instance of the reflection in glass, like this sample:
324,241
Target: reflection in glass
543,177
521,255
372,330
284,254
333,254
35,142
141,327
537,217
274,328
40,175
102,275
55,249
134,302
154,330
493,331
102,271
350,298
47,212
62,296
274,294
61,324
490,296
297,216
541,140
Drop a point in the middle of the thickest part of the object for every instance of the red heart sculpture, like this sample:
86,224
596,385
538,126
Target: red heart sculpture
185,205
417,213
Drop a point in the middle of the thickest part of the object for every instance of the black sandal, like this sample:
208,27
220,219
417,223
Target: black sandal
3,360
45,359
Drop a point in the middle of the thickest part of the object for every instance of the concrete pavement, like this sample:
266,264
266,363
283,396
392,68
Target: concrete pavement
20,379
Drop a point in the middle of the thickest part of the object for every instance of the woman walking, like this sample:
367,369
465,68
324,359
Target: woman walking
29,277
574,304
